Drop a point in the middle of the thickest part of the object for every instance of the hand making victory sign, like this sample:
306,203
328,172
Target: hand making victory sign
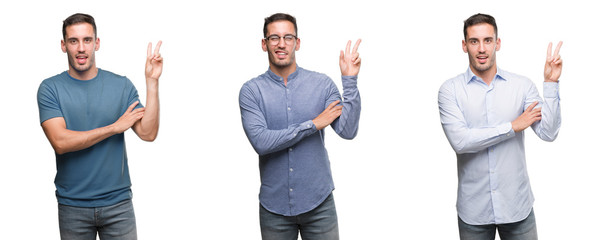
147,127
553,67
349,61
154,62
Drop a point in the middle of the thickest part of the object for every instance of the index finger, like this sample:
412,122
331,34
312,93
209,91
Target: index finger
532,106
149,50
356,45
331,105
156,50
132,106
557,48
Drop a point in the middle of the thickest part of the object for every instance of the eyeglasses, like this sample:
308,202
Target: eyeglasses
274,39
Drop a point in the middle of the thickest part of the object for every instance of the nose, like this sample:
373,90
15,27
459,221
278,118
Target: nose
80,47
281,43
481,47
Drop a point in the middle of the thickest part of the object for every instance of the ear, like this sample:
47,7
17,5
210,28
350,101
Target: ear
264,45
297,44
63,46
97,44
498,44
464,46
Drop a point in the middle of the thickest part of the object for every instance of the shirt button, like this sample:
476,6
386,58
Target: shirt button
291,190
291,169
290,149
289,108
308,125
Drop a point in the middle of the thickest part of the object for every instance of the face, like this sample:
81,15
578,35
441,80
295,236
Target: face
481,45
80,44
283,54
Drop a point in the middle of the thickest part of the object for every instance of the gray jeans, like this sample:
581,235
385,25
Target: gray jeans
522,230
110,222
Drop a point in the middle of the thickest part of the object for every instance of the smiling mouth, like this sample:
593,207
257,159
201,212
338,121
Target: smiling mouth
281,54
482,59
81,59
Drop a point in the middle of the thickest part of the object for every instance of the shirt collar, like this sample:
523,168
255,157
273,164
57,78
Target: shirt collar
500,74
276,77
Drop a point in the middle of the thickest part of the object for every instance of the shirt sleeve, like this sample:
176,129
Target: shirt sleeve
462,138
133,95
547,128
346,126
263,139
48,104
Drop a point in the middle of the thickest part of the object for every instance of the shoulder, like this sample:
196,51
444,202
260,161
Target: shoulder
313,75
114,78
54,79
52,84
254,82
513,77
454,81
111,76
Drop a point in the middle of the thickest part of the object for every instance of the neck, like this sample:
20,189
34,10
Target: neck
487,76
85,75
283,72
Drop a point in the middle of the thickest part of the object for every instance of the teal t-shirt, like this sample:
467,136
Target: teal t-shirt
99,175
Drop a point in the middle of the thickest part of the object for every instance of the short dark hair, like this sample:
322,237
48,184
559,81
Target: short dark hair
479,19
279,17
78,18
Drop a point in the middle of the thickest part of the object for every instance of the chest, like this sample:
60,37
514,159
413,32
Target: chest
88,106
485,105
294,103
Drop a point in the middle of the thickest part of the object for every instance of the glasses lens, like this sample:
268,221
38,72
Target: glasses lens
274,40
289,38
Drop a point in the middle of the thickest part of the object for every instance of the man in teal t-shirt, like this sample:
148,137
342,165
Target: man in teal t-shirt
84,113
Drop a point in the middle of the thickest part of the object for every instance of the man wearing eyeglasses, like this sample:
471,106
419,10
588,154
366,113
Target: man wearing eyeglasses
484,113
284,113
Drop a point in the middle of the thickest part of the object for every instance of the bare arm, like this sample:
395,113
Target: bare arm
64,140
147,127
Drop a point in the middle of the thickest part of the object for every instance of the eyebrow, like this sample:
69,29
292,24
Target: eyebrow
477,39
74,38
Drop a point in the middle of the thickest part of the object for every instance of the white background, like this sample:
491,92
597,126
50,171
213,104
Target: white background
395,180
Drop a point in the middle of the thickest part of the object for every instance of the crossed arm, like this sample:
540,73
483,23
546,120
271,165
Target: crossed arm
144,121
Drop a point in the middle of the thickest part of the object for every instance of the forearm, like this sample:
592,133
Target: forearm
65,140
265,141
472,140
147,127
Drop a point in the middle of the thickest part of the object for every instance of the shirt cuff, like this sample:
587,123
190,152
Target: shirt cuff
308,125
551,90
505,130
